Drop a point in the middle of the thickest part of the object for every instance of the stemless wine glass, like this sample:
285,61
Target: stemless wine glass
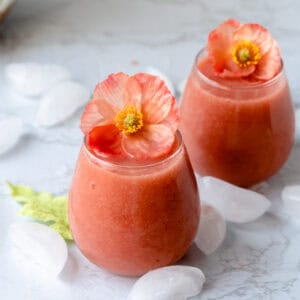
239,131
130,219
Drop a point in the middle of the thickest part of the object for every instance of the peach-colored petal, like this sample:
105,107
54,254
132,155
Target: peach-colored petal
90,117
232,70
153,142
254,33
105,140
172,119
132,93
152,100
220,43
269,65
106,110
111,89
156,98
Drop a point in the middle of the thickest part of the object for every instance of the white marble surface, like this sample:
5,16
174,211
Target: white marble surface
92,38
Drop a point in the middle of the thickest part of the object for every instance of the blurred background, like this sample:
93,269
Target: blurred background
96,37
93,38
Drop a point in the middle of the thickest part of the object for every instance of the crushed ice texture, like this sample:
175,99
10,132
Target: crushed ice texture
211,231
38,247
154,71
236,204
61,102
168,283
33,79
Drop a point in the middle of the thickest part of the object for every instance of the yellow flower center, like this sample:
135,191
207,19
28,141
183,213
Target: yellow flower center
129,120
245,53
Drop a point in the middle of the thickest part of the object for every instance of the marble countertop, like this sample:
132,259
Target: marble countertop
93,38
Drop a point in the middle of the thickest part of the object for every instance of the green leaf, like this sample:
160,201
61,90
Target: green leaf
21,193
44,207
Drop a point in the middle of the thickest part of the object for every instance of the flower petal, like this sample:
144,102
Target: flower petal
220,42
111,89
106,102
157,99
255,33
106,110
172,119
153,142
132,93
232,70
105,140
269,65
90,117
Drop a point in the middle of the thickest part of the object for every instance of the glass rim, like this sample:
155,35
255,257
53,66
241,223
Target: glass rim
104,161
216,84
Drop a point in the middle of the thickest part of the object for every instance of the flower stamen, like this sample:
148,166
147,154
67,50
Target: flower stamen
245,53
129,120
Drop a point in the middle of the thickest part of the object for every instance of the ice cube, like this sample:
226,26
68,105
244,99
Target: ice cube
236,204
291,199
174,283
61,102
32,79
211,231
297,129
162,76
37,246
12,129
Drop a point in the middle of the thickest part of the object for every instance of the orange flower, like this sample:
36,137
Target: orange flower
242,50
135,116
